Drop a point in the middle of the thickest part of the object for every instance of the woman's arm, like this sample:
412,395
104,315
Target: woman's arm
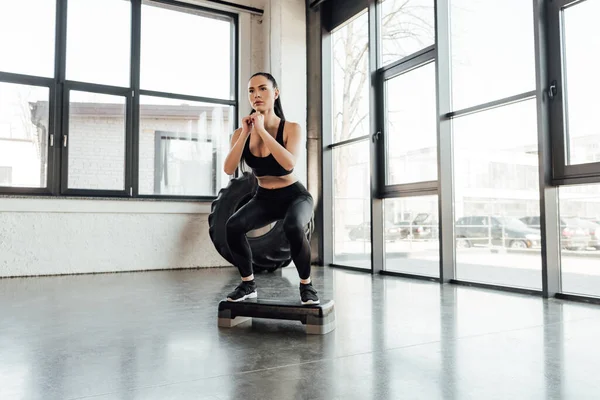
238,141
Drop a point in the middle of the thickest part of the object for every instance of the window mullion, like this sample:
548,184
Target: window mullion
134,137
58,173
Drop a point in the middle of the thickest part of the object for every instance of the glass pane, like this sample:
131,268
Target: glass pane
581,68
407,26
94,53
497,197
411,127
27,31
412,235
580,239
23,135
351,80
96,141
183,145
176,44
490,59
351,205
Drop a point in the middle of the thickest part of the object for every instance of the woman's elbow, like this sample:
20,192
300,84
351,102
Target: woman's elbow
291,164
228,171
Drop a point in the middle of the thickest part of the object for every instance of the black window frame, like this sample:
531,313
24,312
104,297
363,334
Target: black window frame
58,104
562,172
405,65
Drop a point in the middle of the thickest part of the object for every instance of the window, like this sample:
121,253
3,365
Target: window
407,26
407,156
575,134
490,62
411,235
506,74
186,112
351,80
581,100
139,110
352,209
96,141
410,131
351,220
401,137
580,239
182,147
30,25
174,54
94,53
495,243
24,129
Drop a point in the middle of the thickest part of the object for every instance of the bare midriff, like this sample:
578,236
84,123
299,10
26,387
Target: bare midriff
276,182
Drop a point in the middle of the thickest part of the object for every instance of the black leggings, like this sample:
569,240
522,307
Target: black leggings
293,204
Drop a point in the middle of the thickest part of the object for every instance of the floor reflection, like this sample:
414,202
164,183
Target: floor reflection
154,336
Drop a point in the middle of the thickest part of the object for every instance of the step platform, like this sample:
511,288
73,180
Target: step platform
319,319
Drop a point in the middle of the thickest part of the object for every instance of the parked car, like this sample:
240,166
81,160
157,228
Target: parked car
497,231
423,226
593,230
573,235
363,232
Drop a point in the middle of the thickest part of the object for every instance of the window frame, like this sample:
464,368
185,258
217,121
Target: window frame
58,103
562,173
405,65
18,79
65,146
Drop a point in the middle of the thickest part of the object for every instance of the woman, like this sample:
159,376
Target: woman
269,145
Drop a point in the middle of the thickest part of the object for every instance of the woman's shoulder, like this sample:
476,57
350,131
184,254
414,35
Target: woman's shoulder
237,132
235,136
291,126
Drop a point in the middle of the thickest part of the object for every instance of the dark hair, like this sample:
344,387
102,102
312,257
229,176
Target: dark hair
277,107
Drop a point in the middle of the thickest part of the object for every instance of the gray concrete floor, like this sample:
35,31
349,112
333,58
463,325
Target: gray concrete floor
154,335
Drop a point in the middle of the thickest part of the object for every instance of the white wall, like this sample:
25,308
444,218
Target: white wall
64,236
77,236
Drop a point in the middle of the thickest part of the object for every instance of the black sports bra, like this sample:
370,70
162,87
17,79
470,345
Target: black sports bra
262,166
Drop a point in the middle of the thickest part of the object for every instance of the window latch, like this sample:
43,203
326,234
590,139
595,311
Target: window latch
64,140
552,90
375,136
52,140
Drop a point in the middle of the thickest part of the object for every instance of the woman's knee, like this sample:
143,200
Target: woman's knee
234,225
293,227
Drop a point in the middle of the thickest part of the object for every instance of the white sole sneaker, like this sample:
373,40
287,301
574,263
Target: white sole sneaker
252,295
309,302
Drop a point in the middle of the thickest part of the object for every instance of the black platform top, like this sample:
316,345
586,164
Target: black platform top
276,309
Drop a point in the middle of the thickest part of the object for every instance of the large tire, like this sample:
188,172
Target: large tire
271,250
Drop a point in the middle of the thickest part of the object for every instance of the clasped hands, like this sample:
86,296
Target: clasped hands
253,123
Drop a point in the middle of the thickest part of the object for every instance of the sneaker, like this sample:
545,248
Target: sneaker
243,291
308,294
